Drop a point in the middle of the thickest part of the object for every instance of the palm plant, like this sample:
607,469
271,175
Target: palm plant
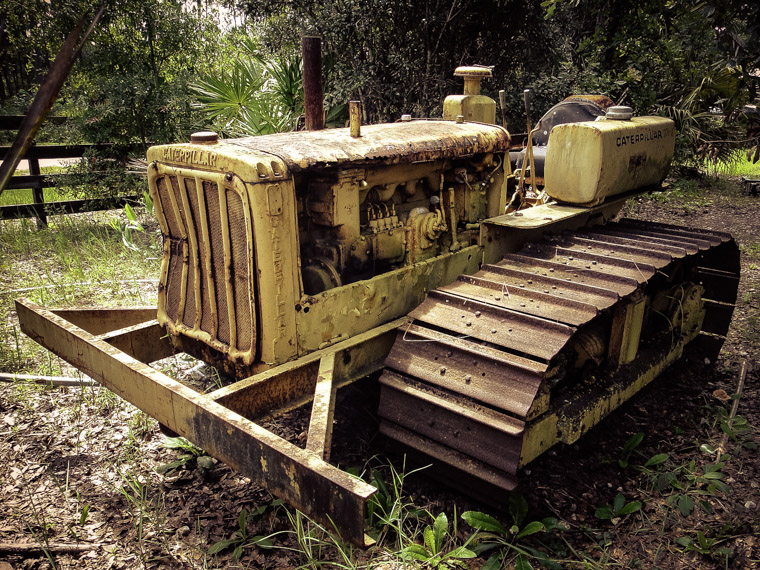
708,118
254,96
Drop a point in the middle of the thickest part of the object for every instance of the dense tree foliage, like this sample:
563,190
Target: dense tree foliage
677,58
130,83
398,56
152,65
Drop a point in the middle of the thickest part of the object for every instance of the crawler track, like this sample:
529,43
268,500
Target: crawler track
492,357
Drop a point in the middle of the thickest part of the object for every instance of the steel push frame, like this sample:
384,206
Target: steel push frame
116,346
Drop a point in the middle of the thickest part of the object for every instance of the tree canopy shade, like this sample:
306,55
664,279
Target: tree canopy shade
398,56
130,84
133,81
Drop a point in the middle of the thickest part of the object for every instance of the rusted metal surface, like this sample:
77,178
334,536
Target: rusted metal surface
105,320
308,483
508,328
146,342
600,250
473,370
409,142
538,303
597,297
472,381
488,436
604,276
311,47
292,384
322,410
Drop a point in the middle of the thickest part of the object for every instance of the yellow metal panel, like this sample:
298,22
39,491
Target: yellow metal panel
586,162
472,107
340,313
277,278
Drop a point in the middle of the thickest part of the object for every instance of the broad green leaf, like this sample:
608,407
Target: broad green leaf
482,521
461,552
719,485
631,507
237,553
493,563
486,546
521,563
603,513
166,467
379,482
440,528
262,542
242,518
617,503
552,523
221,545
685,505
518,508
684,541
531,528
664,480
429,539
633,442
656,460
416,552
713,475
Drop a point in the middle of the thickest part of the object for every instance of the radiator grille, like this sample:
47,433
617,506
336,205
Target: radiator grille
207,282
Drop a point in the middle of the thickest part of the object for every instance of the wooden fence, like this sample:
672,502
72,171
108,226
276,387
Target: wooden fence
36,181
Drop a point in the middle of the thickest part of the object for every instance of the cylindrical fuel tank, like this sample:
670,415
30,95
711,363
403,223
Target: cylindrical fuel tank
589,161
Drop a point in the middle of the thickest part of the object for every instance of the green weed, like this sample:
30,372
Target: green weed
705,546
317,546
438,549
618,509
492,535
241,539
187,457
391,518
75,261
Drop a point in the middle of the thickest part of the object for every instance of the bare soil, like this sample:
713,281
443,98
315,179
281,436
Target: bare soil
79,466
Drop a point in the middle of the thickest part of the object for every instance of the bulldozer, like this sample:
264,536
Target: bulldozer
501,306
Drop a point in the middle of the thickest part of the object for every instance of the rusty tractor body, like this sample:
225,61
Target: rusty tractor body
302,261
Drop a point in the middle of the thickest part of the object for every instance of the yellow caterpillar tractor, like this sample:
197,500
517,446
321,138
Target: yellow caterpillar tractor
300,262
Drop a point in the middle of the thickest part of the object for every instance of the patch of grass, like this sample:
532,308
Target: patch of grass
684,191
750,249
24,196
79,260
742,166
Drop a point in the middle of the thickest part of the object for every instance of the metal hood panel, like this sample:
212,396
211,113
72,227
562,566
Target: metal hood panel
379,144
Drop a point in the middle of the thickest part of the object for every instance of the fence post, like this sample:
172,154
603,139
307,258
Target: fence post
38,194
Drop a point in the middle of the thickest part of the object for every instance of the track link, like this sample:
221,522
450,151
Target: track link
490,356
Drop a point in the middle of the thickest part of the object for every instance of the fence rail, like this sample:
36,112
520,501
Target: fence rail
36,181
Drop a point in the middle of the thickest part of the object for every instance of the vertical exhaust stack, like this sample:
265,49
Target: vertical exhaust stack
312,83
355,118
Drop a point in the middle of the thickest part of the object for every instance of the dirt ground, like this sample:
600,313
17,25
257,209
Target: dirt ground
82,482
